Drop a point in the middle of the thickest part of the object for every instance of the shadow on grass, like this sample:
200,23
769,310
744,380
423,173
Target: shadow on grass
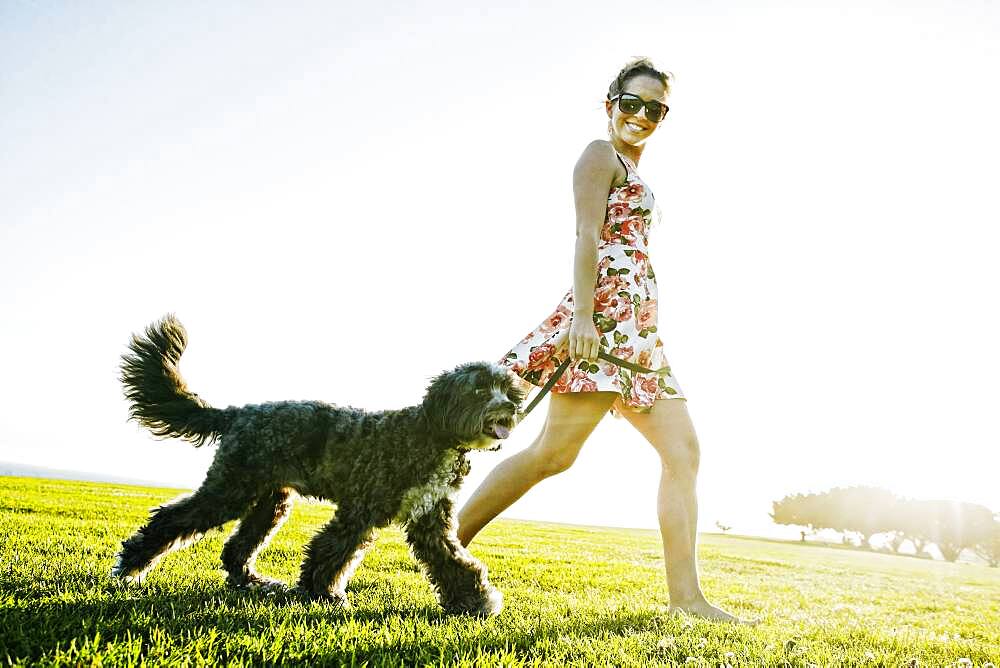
237,621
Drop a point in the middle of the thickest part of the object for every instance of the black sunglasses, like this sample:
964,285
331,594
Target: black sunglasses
629,103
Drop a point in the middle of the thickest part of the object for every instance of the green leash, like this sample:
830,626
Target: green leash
607,357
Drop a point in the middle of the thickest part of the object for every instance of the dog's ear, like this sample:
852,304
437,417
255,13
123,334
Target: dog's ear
440,393
451,403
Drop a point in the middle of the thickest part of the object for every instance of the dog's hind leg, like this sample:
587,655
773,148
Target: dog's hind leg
459,578
255,530
172,526
333,555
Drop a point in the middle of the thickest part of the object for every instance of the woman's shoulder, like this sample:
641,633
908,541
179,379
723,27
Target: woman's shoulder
600,149
600,156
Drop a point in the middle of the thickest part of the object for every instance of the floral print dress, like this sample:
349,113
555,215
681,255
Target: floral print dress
625,302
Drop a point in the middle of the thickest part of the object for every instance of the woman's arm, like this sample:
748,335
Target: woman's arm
592,178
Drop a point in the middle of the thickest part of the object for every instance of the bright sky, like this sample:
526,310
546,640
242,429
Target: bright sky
341,200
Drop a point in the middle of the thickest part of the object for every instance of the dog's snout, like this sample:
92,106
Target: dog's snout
501,401
505,406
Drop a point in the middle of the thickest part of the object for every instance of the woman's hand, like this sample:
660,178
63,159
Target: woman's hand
584,339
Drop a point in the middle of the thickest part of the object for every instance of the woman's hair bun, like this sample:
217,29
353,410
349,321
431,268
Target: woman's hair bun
638,67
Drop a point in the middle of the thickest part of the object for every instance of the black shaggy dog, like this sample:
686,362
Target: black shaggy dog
400,465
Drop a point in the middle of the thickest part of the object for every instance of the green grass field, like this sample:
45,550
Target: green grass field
574,596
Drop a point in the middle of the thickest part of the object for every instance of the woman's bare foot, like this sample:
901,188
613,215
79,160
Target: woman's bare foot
705,610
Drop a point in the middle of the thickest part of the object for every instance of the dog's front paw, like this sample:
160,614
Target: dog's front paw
488,604
125,576
493,603
335,599
126,580
255,582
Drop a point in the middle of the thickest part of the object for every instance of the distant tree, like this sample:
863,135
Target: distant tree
854,511
920,546
913,520
860,513
989,547
896,541
804,510
953,526
866,511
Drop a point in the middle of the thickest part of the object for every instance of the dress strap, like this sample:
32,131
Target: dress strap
629,167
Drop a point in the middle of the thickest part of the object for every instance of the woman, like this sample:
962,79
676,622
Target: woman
612,305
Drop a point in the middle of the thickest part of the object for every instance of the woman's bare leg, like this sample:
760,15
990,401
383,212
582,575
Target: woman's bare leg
570,420
668,429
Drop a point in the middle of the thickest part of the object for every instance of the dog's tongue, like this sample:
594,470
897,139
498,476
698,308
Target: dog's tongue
500,431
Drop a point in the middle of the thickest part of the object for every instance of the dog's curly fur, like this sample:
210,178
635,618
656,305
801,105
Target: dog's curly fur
378,467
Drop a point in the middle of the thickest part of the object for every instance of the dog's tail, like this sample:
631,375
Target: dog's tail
159,397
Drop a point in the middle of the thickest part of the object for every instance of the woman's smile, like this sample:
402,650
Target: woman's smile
635,127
